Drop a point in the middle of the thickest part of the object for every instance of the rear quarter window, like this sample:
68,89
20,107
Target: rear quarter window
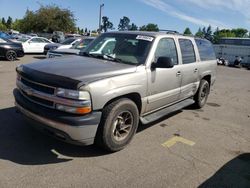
205,49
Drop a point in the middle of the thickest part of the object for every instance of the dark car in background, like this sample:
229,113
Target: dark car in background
74,50
67,43
10,50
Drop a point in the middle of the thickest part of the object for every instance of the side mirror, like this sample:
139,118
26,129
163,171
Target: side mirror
163,62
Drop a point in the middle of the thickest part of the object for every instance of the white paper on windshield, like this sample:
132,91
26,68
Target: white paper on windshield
142,37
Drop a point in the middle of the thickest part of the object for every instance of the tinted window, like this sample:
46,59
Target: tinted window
206,50
37,40
166,47
187,51
68,41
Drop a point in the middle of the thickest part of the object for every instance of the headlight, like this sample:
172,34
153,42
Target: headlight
83,98
73,94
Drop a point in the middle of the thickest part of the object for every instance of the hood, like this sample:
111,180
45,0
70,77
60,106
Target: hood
73,71
66,51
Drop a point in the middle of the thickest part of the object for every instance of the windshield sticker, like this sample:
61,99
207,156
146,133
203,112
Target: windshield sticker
147,38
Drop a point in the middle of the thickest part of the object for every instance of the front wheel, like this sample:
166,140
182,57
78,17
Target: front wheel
118,125
201,96
11,55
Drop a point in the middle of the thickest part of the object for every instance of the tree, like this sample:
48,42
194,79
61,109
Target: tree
86,30
216,36
208,34
187,31
9,22
48,19
124,24
3,21
133,27
199,33
240,32
149,27
81,31
16,25
106,24
2,27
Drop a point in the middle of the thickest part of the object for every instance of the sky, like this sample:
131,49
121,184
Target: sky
167,14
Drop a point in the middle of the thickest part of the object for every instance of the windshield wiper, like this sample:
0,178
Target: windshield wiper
109,57
86,54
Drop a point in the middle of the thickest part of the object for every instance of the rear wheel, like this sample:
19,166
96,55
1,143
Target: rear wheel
11,55
201,96
118,125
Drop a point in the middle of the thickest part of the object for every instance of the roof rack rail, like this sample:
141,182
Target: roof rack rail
170,31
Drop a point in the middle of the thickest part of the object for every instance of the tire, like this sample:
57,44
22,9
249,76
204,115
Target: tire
118,125
201,96
11,55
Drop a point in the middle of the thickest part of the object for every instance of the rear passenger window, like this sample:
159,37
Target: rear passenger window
166,47
206,49
187,51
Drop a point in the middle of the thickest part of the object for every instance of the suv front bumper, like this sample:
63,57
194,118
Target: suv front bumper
75,129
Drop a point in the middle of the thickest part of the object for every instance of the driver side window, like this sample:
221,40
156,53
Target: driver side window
167,48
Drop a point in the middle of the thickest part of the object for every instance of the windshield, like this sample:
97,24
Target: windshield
122,48
68,41
82,44
23,39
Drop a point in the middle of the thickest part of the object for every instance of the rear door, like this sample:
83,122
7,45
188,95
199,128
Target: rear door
189,68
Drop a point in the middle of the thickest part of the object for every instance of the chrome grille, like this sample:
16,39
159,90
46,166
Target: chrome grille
38,86
29,89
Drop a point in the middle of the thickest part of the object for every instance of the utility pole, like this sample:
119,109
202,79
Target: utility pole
100,17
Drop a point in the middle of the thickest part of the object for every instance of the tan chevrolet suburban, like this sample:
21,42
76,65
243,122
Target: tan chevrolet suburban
101,95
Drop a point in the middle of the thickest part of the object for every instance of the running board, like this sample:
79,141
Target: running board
165,111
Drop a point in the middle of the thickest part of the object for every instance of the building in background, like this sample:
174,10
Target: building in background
233,48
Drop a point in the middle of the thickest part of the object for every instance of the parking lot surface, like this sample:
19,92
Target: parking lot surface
191,148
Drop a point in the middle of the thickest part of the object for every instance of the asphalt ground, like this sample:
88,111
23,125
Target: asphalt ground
191,148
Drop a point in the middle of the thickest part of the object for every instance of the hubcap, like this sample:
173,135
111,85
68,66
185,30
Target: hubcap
203,94
11,56
122,125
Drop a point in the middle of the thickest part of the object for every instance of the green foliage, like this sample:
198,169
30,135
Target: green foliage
124,24
187,31
9,22
3,21
16,25
133,27
48,19
149,27
106,24
240,32
199,33
2,27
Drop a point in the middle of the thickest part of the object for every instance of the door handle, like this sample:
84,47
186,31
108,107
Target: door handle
178,73
196,70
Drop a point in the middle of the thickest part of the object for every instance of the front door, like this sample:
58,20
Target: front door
164,83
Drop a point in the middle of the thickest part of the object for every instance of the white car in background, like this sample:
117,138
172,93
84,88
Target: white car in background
69,42
66,44
34,44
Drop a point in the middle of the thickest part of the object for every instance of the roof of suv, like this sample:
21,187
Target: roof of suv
153,34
